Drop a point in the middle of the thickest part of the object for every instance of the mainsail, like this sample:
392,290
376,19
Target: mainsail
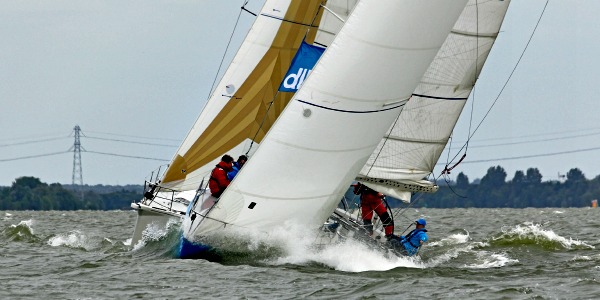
410,150
335,121
233,116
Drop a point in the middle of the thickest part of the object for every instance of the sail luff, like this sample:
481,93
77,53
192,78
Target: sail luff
337,118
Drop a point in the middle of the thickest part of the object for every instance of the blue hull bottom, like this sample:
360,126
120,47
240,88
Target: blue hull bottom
192,250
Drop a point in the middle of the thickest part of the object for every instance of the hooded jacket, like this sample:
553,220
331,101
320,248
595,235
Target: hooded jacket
218,179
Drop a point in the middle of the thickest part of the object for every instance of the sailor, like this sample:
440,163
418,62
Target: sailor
372,201
411,243
237,166
218,177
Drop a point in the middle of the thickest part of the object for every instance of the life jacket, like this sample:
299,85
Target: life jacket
412,247
218,180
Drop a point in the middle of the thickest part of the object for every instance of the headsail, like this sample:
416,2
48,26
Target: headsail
409,153
337,118
234,113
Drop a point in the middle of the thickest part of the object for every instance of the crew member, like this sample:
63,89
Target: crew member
372,201
218,177
237,166
411,243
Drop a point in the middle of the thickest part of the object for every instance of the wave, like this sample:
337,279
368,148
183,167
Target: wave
22,232
530,234
158,241
79,240
486,260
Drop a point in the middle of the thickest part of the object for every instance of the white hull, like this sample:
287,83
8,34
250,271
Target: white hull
165,207
149,216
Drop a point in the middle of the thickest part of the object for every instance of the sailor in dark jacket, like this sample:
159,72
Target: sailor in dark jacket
411,243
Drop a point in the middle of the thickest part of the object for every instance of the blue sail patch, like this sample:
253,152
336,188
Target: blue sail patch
304,61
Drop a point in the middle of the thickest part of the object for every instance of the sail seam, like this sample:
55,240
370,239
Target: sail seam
323,150
479,35
284,198
351,111
438,142
441,98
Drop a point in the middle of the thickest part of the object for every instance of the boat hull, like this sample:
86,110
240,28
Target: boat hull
148,216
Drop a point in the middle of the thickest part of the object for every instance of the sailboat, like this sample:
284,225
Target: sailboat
332,124
344,121
409,151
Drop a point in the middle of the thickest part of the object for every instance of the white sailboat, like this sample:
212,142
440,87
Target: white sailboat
243,106
409,151
329,129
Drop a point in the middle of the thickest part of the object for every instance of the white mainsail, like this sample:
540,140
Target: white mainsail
411,149
335,121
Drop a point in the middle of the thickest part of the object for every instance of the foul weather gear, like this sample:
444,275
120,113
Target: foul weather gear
412,241
372,201
218,179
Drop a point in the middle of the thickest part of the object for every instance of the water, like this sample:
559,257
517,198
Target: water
472,253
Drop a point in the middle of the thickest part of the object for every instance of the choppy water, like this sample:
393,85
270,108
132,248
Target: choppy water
472,253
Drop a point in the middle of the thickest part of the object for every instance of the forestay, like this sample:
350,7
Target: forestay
335,121
405,157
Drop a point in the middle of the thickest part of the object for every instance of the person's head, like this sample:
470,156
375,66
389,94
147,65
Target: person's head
421,223
242,160
227,159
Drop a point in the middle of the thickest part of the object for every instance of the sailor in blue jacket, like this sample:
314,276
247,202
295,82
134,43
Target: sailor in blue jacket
237,165
413,240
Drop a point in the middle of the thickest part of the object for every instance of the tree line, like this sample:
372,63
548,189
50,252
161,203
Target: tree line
29,193
526,189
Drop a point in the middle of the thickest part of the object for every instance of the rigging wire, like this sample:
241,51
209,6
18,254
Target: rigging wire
475,73
387,137
226,49
277,93
505,83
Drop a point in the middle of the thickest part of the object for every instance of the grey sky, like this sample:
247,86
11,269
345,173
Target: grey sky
144,68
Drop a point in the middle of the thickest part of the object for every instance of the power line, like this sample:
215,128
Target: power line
135,136
35,136
128,156
33,156
527,156
531,135
537,141
130,142
34,142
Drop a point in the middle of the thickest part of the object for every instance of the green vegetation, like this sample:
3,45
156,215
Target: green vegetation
29,193
526,189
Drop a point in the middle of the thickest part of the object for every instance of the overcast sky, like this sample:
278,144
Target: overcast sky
135,72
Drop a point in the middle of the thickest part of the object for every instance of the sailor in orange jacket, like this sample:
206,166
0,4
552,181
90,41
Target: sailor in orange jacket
372,201
218,177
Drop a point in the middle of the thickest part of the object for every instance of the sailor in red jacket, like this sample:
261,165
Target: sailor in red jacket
218,177
371,201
